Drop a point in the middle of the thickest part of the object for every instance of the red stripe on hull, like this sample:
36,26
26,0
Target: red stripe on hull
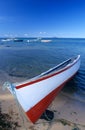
35,113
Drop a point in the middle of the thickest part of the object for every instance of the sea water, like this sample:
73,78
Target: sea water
25,60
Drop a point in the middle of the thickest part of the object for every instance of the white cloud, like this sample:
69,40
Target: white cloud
26,34
6,35
9,35
40,32
43,33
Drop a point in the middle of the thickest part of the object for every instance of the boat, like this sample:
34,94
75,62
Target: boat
18,40
6,39
46,41
36,94
33,40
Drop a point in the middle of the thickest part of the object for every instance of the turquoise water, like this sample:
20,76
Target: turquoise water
28,59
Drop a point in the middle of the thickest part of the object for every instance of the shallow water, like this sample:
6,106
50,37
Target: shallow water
28,59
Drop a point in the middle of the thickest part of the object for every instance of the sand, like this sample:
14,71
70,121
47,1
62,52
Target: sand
69,114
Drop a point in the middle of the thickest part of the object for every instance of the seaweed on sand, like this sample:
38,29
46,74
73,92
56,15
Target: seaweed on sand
6,122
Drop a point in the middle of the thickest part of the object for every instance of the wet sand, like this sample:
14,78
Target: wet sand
69,114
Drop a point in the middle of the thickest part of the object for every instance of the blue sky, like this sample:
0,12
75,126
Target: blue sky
42,18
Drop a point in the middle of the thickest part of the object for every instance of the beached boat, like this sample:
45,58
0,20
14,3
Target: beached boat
36,94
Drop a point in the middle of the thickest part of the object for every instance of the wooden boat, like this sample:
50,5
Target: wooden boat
36,94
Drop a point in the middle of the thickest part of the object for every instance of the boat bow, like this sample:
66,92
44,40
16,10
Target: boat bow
36,94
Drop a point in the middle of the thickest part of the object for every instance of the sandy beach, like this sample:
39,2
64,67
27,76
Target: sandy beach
69,114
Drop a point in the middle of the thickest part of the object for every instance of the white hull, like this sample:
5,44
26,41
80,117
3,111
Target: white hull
32,93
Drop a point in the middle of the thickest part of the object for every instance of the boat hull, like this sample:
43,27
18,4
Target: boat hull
36,95
35,112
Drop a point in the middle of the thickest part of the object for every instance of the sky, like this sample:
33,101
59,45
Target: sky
42,18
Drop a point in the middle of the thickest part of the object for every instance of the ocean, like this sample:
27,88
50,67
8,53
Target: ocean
30,57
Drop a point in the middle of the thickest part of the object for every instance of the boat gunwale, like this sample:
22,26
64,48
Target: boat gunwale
44,76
